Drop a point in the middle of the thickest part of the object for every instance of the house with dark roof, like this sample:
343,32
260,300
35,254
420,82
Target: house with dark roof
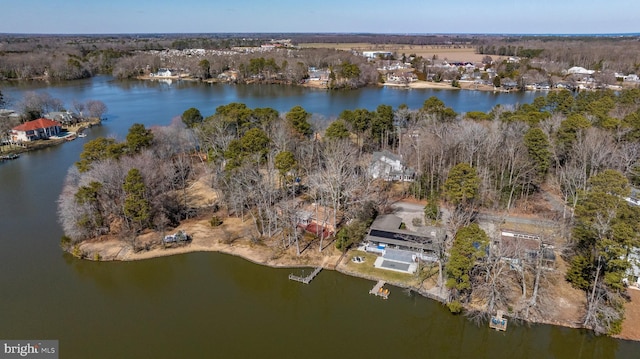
389,167
39,129
386,233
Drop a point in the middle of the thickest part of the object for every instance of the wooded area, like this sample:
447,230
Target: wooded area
542,58
265,166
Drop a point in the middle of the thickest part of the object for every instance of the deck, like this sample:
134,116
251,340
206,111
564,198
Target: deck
498,323
379,290
307,279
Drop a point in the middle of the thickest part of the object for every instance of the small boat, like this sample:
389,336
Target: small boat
82,134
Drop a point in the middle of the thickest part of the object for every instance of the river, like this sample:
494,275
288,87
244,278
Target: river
210,305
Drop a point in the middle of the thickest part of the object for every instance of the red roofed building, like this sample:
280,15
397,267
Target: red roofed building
41,128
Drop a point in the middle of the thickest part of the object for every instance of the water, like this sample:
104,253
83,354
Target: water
215,305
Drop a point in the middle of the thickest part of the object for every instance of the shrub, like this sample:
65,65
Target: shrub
215,221
455,307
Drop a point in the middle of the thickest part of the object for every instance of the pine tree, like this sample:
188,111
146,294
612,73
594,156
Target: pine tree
137,209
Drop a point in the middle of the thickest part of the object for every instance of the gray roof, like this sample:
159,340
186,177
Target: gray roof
386,229
387,222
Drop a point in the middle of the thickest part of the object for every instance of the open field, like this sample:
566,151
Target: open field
449,53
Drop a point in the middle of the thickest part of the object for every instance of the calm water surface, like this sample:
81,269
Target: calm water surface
208,305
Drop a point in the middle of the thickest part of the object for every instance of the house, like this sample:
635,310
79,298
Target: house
385,233
377,54
39,129
634,197
163,73
519,246
318,220
633,272
64,117
577,70
401,249
389,167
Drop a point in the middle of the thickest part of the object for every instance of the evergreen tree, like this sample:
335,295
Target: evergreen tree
461,186
99,149
138,138
537,144
469,245
137,209
337,130
192,117
298,120
606,229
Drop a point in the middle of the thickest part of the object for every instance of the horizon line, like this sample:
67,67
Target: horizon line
612,34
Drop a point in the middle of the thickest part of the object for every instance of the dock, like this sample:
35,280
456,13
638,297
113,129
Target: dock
498,323
307,279
379,290
12,156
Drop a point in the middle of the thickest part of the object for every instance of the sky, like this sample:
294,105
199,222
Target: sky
326,16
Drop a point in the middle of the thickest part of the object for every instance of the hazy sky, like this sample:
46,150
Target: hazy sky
408,16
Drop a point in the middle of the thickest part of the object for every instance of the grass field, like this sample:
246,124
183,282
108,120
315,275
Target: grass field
427,51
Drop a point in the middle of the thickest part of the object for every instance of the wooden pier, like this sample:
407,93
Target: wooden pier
379,290
498,323
307,279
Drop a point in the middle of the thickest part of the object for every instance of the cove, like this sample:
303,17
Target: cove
215,305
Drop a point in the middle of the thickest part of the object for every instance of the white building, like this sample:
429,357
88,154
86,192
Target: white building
389,167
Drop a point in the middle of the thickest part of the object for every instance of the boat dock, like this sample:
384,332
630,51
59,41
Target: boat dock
307,279
12,156
498,323
379,290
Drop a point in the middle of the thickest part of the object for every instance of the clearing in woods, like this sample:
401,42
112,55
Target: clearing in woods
443,52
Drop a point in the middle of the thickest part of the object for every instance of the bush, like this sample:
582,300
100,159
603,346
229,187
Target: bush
77,252
65,242
417,222
455,307
215,221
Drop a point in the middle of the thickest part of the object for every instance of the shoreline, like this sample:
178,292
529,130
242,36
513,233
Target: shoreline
209,239
464,85
40,144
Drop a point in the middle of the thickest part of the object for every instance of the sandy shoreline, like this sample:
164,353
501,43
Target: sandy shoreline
220,239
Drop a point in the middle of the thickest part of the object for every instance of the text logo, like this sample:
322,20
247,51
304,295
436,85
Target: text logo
29,349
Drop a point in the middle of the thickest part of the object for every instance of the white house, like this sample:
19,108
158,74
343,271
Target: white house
577,70
634,197
163,73
376,54
633,273
41,128
389,167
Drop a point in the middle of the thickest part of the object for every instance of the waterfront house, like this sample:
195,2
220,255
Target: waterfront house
39,129
386,233
515,246
64,117
318,220
400,249
163,73
389,167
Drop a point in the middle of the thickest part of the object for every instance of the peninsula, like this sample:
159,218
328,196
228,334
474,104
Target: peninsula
489,231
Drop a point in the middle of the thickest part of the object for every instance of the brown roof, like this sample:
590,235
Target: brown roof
37,124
